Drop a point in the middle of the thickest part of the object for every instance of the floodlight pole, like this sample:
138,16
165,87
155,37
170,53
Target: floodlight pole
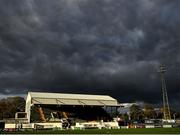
166,109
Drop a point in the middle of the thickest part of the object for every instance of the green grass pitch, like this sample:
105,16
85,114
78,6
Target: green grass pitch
104,131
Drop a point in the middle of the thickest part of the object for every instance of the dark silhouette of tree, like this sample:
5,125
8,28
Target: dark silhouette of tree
149,111
136,113
11,105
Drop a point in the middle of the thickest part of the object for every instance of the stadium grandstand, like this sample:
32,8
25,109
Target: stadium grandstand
44,107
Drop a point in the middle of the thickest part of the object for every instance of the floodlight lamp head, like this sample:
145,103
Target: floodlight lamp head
162,68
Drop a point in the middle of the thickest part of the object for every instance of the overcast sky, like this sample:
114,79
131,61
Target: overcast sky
109,47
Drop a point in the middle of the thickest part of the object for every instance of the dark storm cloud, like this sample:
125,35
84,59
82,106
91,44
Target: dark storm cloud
90,46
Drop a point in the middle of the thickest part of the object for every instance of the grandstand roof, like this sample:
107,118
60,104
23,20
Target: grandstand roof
71,99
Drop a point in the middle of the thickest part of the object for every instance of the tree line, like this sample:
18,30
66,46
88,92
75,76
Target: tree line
10,105
138,113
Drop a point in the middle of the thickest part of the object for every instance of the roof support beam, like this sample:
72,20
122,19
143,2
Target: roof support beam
58,100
